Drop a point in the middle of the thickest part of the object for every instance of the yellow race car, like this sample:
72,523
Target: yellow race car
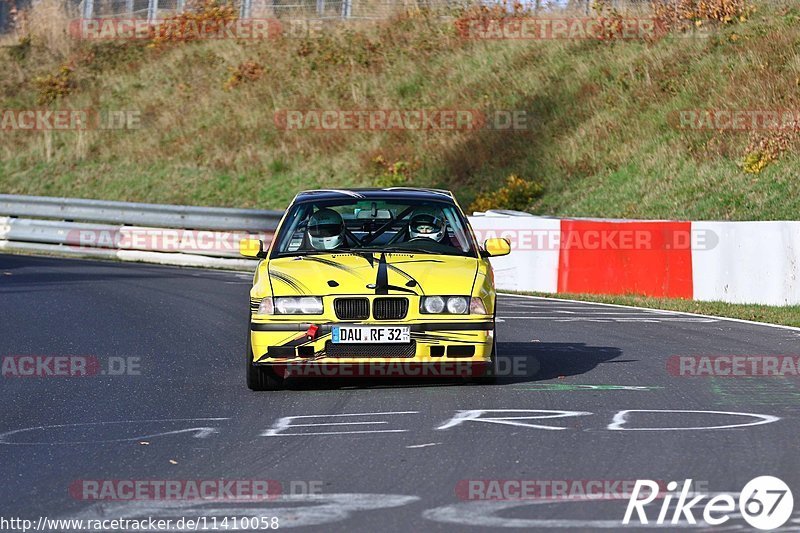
372,282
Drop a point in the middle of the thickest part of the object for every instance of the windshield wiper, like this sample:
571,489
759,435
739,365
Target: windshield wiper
413,250
300,253
390,249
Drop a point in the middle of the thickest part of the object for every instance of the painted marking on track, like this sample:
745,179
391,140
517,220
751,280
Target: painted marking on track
621,418
487,514
762,390
198,432
795,331
336,433
577,387
621,421
502,306
284,423
594,308
423,445
653,319
623,313
475,415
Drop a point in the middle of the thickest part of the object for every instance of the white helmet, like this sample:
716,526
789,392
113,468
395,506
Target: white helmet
426,224
326,229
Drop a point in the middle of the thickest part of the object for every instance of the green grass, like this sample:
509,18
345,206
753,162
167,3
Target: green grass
599,140
787,316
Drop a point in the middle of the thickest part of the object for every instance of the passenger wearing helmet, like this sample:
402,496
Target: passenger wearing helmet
326,230
426,225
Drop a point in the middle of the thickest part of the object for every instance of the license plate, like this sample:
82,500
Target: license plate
370,335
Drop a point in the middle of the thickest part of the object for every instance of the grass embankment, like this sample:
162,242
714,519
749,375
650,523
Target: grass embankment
599,143
787,316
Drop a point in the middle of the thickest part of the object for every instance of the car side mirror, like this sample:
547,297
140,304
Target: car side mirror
496,247
252,248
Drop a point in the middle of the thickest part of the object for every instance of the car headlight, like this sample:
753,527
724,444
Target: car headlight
457,305
432,304
454,305
301,305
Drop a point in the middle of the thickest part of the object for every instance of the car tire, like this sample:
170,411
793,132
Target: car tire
260,378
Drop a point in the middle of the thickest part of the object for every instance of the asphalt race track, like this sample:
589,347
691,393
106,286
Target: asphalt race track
406,449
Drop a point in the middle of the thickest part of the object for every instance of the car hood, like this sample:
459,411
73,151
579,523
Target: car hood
372,273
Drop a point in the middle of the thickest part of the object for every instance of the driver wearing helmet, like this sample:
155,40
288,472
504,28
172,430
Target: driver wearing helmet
427,225
326,230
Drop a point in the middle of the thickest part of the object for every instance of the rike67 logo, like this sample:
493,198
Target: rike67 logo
765,503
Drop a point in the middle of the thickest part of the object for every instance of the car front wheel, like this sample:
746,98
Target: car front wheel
489,376
260,378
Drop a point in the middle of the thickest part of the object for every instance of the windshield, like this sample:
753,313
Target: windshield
353,225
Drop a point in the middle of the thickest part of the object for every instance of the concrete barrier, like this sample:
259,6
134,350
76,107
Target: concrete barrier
735,262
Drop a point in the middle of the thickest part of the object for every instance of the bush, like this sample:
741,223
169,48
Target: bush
678,14
249,71
763,149
55,86
208,19
518,194
397,174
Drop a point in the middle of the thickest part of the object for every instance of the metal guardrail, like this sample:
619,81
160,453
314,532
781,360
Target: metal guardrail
167,234
154,215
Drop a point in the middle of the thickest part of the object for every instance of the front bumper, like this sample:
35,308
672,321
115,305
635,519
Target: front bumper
278,342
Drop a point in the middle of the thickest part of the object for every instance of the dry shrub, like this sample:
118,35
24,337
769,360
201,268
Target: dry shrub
209,17
681,14
517,194
55,86
764,148
482,15
393,174
345,47
610,21
249,71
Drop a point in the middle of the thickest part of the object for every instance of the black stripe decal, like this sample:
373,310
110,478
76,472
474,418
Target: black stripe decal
408,277
366,255
290,281
382,279
330,263
418,261
401,289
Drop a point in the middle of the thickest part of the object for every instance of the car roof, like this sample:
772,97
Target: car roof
387,193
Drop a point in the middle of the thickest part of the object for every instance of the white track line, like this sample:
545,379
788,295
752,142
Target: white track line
742,321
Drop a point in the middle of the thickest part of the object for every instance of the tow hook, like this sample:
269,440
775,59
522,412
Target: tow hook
311,333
